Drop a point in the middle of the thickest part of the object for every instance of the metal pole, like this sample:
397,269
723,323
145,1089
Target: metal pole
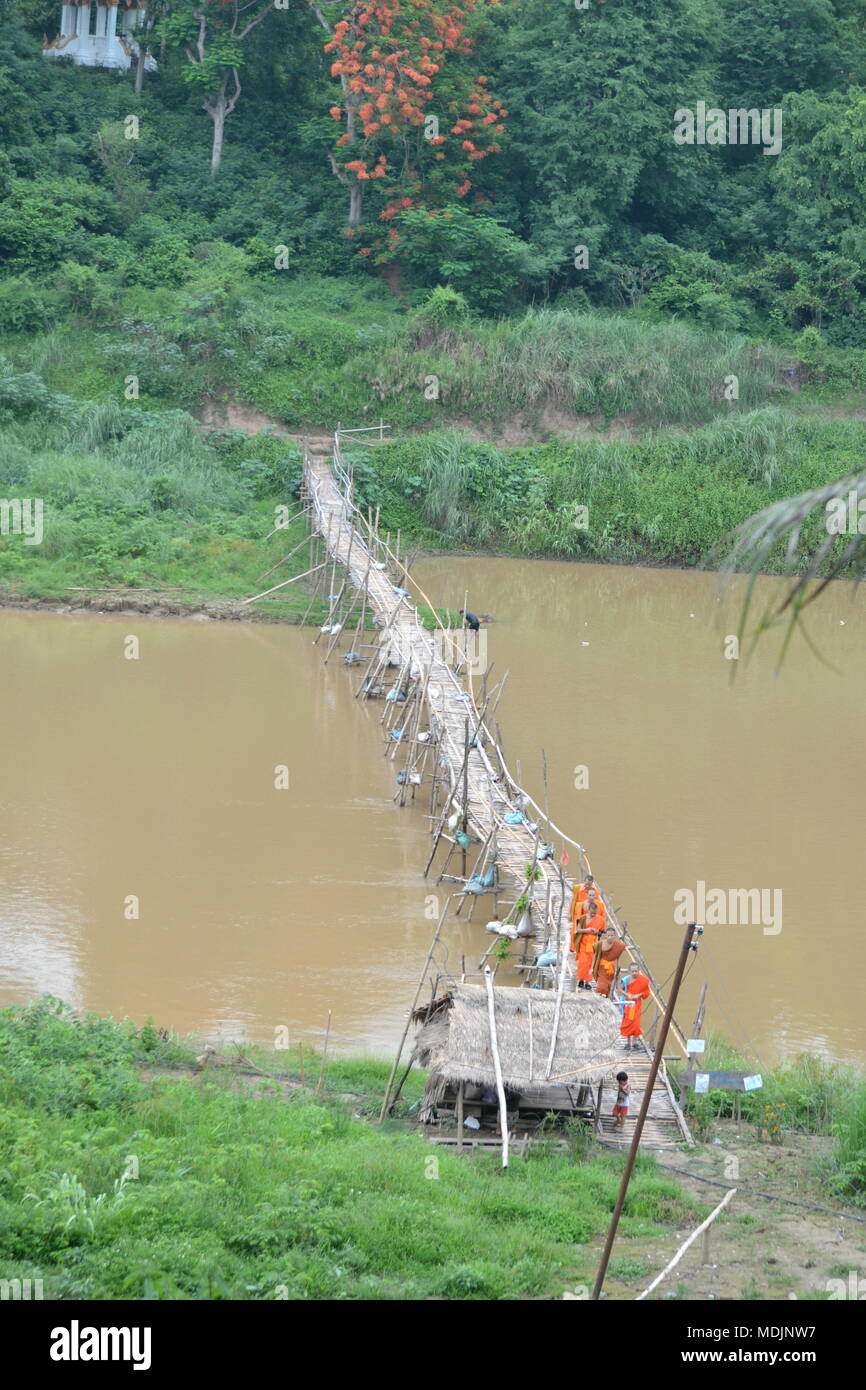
638,1129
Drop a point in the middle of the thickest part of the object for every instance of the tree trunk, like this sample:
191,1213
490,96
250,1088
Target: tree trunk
356,202
218,115
139,70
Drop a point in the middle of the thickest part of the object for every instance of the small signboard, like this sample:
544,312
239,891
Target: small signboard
696,1045
703,1081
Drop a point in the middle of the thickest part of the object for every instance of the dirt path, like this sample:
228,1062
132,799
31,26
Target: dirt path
528,427
761,1248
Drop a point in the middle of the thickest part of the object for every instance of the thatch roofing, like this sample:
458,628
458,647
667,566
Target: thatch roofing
455,1044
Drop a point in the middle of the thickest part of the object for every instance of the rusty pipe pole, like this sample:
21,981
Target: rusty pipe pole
647,1096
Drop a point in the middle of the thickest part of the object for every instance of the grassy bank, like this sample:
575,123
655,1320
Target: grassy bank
136,498
809,1095
259,1189
312,351
664,499
137,495
129,1171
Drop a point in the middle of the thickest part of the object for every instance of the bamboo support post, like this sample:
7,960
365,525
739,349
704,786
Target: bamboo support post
699,1230
283,585
497,1068
324,1055
433,945
292,552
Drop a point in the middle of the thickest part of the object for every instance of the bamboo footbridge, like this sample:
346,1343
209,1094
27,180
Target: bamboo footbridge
438,732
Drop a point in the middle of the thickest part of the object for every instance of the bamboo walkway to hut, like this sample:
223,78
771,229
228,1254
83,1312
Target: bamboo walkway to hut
432,724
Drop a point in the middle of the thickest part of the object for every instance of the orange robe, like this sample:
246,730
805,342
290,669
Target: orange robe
638,990
585,945
580,908
607,966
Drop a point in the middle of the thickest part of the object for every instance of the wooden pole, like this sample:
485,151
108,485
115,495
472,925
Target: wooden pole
704,1226
699,1016
316,542
433,945
292,552
497,1069
554,1032
283,585
465,794
460,1116
324,1055
645,1104
287,524
335,637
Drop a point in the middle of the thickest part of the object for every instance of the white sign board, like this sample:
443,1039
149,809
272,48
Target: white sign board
702,1082
696,1044
752,1083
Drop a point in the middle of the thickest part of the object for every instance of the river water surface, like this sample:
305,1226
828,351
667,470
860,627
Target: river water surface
148,786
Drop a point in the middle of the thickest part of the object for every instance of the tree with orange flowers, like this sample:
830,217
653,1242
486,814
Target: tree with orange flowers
412,119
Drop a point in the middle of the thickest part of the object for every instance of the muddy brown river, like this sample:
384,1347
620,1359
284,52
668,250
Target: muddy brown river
150,865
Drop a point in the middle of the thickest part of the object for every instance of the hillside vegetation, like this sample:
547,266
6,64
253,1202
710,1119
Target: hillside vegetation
672,377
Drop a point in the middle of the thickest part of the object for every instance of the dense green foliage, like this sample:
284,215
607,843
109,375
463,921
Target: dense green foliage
722,235
136,285
666,498
137,498
237,1191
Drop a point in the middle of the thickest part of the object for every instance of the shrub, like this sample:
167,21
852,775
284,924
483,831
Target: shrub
24,306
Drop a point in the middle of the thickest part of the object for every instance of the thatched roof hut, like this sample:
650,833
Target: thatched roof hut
455,1044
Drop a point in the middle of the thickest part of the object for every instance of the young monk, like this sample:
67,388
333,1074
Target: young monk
578,898
583,895
638,990
611,950
585,938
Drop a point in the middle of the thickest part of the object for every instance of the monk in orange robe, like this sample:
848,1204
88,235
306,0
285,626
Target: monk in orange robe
578,897
611,950
583,894
585,938
630,1028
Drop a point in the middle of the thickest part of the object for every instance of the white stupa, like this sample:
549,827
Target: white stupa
89,34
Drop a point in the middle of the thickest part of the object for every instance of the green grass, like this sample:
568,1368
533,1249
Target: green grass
312,351
135,496
239,1191
810,1095
667,498
138,499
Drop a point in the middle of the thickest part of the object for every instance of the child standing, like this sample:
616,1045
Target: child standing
620,1110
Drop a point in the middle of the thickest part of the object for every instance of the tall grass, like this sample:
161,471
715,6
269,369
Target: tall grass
250,1191
668,497
310,353
586,363
139,499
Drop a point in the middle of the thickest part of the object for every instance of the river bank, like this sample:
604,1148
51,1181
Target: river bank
135,1167
565,435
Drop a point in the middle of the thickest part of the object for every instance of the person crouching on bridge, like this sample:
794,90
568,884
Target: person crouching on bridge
585,940
637,991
